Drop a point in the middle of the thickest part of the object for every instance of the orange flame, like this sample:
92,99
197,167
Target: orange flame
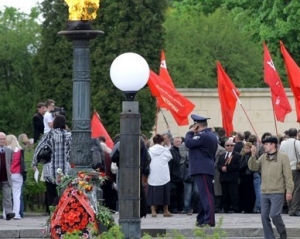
82,9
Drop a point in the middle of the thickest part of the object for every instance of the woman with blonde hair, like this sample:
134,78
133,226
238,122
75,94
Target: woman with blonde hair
18,172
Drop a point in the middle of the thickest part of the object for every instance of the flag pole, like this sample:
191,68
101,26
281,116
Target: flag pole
168,127
275,121
156,117
238,99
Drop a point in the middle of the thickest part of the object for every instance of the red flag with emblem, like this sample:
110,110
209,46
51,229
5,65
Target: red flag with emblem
281,104
228,95
163,70
179,106
293,73
164,74
98,130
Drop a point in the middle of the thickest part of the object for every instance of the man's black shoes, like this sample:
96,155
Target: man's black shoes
205,225
296,214
283,235
10,216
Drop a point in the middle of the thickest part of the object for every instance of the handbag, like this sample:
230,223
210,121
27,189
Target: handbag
44,155
298,162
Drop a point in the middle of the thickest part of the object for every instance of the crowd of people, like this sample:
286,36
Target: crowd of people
13,173
237,174
204,172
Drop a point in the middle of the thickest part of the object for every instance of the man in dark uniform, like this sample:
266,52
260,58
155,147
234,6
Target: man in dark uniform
203,144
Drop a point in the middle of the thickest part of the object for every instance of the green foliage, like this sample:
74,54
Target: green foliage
203,233
104,216
53,61
36,63
217,233
74,235
129,26
113,233
266,21
32,187
137,28
194,42
19,40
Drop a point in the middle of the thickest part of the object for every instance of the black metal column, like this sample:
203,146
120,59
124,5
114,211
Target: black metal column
129,188
81,123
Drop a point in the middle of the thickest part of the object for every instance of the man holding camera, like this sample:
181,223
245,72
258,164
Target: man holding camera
48,117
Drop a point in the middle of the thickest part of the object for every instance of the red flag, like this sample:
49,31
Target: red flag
99,130
228,95
163,71
293,73
164,74
179,106
281,104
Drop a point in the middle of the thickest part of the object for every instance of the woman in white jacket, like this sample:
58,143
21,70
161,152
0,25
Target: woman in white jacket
159,177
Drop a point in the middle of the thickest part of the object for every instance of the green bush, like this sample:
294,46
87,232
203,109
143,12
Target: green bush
31,187
201,233
33,192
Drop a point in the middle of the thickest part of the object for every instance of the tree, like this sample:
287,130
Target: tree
266,21
194,42
19,40
129,26
53,61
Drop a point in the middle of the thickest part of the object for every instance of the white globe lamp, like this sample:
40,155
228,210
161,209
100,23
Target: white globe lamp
129,72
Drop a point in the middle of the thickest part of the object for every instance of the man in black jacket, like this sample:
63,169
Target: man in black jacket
228,166
38,121
176,181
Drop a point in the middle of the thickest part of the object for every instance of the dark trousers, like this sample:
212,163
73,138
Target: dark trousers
294,205
218,203
176,197
206,213
230,195
110,195
52,196
246,194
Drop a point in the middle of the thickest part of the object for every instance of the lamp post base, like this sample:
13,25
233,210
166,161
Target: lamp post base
131,228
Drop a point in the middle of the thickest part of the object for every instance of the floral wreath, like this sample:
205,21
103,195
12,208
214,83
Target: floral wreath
77,207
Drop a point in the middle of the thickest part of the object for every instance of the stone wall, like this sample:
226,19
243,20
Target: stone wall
255,101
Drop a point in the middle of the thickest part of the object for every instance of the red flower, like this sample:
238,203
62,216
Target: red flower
64,227
72,165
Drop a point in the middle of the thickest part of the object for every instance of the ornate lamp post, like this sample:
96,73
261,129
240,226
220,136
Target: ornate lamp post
80,32
129,72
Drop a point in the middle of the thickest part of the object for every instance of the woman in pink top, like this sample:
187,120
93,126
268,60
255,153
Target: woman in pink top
17,171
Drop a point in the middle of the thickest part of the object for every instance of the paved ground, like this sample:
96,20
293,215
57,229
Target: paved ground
236,225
